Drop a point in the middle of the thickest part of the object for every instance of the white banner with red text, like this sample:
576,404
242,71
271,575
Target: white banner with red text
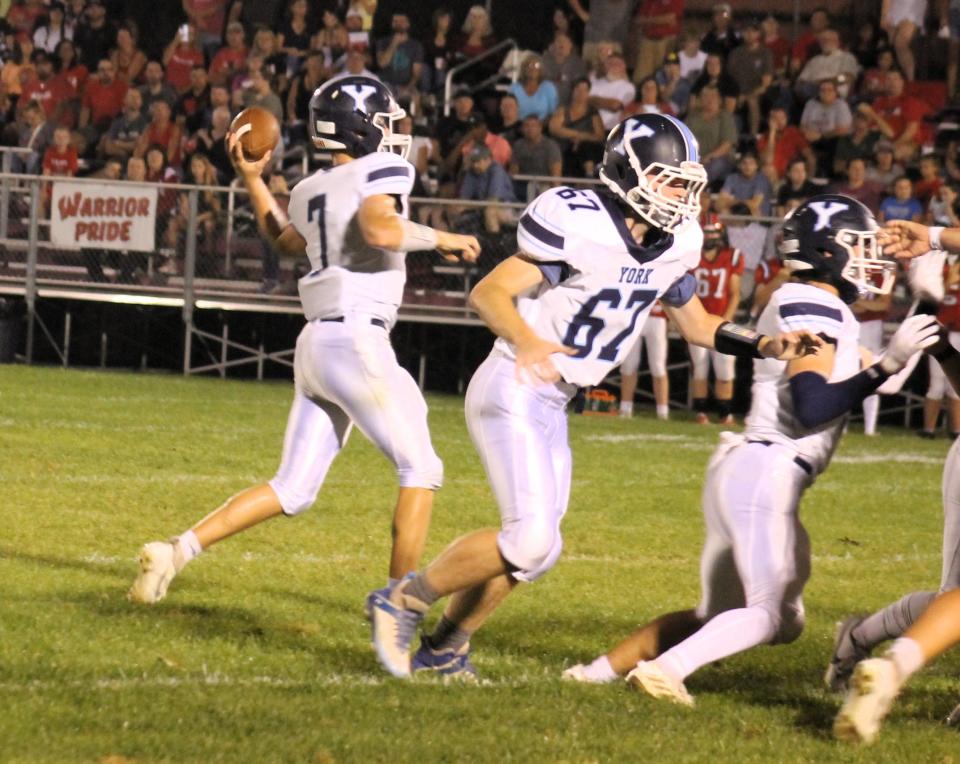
103,216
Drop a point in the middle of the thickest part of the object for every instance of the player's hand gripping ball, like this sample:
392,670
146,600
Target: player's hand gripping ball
257,130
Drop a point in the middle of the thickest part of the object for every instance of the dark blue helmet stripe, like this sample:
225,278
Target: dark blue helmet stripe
810,309
537,231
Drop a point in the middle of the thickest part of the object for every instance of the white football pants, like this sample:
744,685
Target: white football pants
520,432
701,358
939,386
654,336
347,373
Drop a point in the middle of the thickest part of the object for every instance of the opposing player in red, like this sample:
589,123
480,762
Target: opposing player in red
718,287
655,338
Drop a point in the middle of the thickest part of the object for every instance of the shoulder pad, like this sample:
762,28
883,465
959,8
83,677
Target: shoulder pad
542,231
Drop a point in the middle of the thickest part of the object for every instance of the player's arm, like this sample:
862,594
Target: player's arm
382,226
733,296
271,220
715,332
907,239
817,401
493,299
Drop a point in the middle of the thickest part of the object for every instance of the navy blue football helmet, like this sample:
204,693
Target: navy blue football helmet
646,153
357,115
833,238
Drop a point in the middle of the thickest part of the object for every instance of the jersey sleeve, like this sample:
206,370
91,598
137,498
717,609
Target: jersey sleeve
689,242
814,316
297,208
387,173
542,234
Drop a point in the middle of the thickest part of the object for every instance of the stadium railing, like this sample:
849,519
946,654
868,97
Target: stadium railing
502,48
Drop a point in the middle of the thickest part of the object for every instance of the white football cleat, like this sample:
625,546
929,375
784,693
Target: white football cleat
873,688
653,680
579,673
157,570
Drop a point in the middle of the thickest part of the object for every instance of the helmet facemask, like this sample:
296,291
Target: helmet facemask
866,264
392,141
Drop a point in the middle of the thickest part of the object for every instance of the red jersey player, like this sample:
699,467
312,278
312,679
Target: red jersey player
718,287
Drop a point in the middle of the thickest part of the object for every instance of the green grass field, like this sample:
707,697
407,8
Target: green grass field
261,652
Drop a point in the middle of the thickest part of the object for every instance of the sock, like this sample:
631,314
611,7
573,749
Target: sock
663,411
906,656
185,548
700,405
727,634
892,621
448,636
626,407
871,408
600,670
723,409
420,591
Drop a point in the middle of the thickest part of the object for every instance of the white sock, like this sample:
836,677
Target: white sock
187,547
663,411
600,670
871,408
626,407
729,633
907,656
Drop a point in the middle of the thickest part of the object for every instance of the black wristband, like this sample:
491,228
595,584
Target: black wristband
733,339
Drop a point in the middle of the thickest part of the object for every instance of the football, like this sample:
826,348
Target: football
258,131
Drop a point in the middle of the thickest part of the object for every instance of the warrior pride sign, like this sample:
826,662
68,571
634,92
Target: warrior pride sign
98,216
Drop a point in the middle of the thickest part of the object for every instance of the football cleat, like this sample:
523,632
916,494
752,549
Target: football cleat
579,673
394,624
847,653
157,569
653,680
702,418
728,420
368,602
873,687
449,663
953,720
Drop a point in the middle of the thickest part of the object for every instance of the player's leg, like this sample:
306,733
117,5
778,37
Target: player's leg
628,378
902,41
316,431
655,337
700,361
724,367
932,401
871,337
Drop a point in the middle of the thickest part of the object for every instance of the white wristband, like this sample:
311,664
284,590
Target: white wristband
417,238
934,235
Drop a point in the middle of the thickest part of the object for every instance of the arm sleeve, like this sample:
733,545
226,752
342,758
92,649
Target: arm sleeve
680,292
816,401
296,210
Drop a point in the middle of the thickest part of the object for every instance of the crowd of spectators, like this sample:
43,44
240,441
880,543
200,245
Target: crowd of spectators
776,118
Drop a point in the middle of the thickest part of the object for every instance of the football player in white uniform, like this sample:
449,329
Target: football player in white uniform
351,222
756,556
566,309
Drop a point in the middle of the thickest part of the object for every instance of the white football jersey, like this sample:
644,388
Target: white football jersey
347,274
599,284
794,307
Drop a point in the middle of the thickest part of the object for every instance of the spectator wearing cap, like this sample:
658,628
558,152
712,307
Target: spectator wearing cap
604,21
52,94
831,63
772,39
102,102
400,59
534,94
182,53
659,24
127,58
749,186
229,60
507,124
796,187
721,38
860,142
884,169
825,119
50,32
485,180
858,186
579,131
611,93
750,65
807,45
94,36
674,88
899,117
716,134
562,66
155,87
781,144
535,153
358,38
715,73
121,139
902,205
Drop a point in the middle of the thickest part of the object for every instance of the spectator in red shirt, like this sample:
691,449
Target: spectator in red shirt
229,60
161,131
782,143
899,117
930,179
808,45
52,94
127,58
208,17
181,55
659,23
874,80
69,69
102,102
59,160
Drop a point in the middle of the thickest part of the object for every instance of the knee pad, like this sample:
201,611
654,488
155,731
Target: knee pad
422,472
531,545
292,500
